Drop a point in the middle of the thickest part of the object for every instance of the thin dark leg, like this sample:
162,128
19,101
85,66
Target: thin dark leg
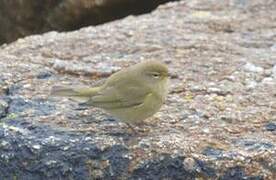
132,128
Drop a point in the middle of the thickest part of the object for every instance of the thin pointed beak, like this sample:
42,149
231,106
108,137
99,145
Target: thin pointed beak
165,74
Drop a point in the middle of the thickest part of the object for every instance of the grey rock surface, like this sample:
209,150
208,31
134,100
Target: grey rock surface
218,121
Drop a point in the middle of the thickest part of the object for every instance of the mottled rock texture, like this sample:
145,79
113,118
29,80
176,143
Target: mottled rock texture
218,121
20,18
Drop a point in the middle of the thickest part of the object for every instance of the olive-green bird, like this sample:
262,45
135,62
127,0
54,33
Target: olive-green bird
131,95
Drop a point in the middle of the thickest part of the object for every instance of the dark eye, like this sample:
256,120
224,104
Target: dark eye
155,75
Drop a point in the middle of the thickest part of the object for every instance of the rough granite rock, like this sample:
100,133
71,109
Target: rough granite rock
19,18
218,121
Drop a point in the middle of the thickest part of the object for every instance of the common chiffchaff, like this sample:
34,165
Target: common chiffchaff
131,95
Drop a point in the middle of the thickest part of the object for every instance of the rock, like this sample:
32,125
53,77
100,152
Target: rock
3,108
254,144
40,107
170,168
34,17
212,125
44,75
238,173
173,168
268,80
214,90
253,68
4,100
215,153
274,71
59,163
267,72
271,126
251,84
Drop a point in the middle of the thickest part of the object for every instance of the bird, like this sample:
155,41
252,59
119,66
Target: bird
130,95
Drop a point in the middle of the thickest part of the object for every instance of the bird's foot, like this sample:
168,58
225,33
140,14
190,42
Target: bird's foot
138,130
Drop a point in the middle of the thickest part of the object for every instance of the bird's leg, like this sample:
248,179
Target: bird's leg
140,132
132,128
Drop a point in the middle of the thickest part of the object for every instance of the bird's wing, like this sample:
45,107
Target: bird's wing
123,94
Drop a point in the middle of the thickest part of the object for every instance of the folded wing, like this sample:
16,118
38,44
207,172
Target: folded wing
120,95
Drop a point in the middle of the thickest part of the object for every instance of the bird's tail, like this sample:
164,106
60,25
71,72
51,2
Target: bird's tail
78,94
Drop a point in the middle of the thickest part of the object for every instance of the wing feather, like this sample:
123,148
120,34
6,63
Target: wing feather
123,94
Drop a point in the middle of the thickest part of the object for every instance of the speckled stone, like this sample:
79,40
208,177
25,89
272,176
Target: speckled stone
271,126
215,124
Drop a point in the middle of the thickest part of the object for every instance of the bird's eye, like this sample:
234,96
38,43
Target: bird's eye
155,75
